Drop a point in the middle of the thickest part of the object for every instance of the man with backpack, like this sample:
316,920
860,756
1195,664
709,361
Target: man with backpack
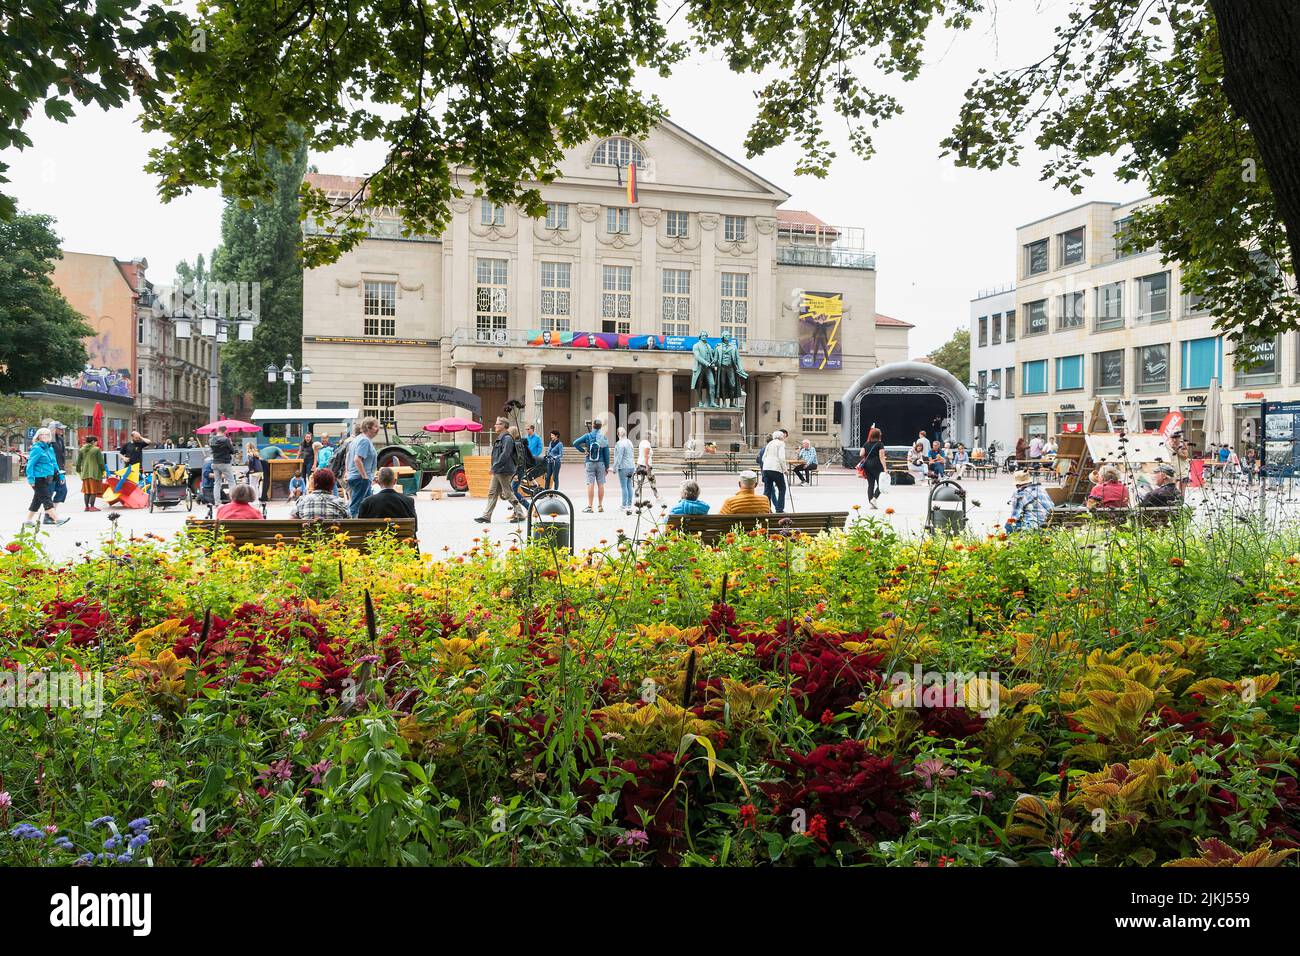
223,457
595,449
503,468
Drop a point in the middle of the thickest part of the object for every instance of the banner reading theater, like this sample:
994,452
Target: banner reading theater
820,315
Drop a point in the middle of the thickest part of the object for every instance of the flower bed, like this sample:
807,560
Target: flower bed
847,699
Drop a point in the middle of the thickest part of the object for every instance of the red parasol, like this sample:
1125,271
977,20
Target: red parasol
453,425
97,423
233,425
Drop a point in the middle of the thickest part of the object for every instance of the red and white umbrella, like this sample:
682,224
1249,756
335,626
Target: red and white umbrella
233,425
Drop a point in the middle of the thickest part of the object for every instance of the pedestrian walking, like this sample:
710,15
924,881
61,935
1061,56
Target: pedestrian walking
774,486
362,459
223,462
90,467
872,464
623,464
503,471
42,475
554,460
645,465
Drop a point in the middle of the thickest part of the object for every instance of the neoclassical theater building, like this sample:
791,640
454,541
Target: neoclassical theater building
591,311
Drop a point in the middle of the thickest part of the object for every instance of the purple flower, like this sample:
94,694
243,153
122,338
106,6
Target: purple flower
113,843
63,843
278,770
634,838
6,801
137,841
927,770
1058,854
123,858
318,771
982,794
25,831
99,822
139,823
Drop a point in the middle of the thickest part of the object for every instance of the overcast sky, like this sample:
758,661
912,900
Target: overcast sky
940,234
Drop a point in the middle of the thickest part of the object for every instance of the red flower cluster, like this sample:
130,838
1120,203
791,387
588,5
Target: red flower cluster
827,677
80,621
851,788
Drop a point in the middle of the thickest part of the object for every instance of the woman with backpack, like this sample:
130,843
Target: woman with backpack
872,464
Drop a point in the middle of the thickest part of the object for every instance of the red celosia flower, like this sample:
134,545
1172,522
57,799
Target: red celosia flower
827,718
749,816
817,828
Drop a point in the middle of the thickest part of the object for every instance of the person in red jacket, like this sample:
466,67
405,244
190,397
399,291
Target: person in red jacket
1110,492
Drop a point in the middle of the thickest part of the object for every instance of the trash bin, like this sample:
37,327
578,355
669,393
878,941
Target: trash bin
6,468
947,507
554,527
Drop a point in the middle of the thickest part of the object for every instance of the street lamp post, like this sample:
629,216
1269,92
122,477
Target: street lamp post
216,328
983,392
288,374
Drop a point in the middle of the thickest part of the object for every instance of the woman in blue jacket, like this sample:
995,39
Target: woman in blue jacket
690,503
43,476
554,458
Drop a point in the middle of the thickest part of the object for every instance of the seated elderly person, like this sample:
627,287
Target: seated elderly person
240,507
744,501
1164,492
1030,505
807,463
690,503
320,503
1110,491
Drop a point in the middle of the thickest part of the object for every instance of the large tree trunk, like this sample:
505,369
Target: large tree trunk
1260,40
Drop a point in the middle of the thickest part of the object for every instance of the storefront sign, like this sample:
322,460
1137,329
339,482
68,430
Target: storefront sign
368,340
1254,394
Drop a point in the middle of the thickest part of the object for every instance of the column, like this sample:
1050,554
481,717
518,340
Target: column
465,376
789,413
600,394
587,280
708,312
532,379
664,408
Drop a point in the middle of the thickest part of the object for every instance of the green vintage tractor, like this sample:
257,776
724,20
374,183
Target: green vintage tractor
429,459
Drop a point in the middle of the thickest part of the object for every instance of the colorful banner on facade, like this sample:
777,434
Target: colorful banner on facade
820,316
614,340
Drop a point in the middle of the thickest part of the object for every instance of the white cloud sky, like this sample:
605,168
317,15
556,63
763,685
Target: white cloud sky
940,233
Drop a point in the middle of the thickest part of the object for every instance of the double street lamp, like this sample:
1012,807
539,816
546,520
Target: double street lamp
218,329
288,374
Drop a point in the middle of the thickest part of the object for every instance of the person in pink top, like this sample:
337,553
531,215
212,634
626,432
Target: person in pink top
1110,492
240,507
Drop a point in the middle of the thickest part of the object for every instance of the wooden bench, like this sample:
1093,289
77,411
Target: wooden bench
711,528
279,531
1074,517
716,464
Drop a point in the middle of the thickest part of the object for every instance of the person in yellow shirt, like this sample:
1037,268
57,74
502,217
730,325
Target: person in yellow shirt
744,501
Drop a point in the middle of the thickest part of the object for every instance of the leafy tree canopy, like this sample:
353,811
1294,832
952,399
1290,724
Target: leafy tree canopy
954,355
1195,97
41,335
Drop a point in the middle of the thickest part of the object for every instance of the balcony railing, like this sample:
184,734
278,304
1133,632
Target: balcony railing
517,338
791,255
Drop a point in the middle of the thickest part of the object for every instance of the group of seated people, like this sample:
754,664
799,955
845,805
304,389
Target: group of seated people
1030,505
934,460
321,501
744,502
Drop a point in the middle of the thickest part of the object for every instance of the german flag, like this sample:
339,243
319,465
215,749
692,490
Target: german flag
631,184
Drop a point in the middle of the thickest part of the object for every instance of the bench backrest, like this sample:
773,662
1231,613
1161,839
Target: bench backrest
712,527
274,531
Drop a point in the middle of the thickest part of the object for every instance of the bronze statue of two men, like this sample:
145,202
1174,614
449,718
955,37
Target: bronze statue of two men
718,378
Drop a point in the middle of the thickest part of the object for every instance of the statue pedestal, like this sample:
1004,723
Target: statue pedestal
722,426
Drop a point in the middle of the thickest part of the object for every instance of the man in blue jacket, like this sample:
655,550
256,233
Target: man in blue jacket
595,449
43,476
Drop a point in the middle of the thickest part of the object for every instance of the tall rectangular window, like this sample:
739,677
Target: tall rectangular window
1036,257
1071,247
557,215
984,330
984,381
676,302
380,305
1010,379
1122,233
1071,311
733,228
1011,325
1202,360
1152,363
617,221
676,224
377,400
995,384
995,329
1069,373
490,301
1108,372
1110,306
814,420
616,299
1036,317
1034,378
556,299
1153,298
733,307
490,213
1264,364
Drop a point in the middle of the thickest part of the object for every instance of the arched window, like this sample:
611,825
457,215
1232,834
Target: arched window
617,151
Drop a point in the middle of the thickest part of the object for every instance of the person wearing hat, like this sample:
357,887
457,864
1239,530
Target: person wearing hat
42,473
60,447
744,501
1030,505
1164,492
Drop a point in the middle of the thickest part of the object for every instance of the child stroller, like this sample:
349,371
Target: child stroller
170,485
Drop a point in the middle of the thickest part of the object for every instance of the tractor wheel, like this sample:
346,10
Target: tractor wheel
396,458
458,480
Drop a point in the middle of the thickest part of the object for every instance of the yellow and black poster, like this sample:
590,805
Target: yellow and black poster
820,315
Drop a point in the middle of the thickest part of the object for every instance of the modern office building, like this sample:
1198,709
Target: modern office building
590,312
993,364
1092,320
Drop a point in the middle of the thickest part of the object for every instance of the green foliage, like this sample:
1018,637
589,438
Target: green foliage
40,333
17,413
954,355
